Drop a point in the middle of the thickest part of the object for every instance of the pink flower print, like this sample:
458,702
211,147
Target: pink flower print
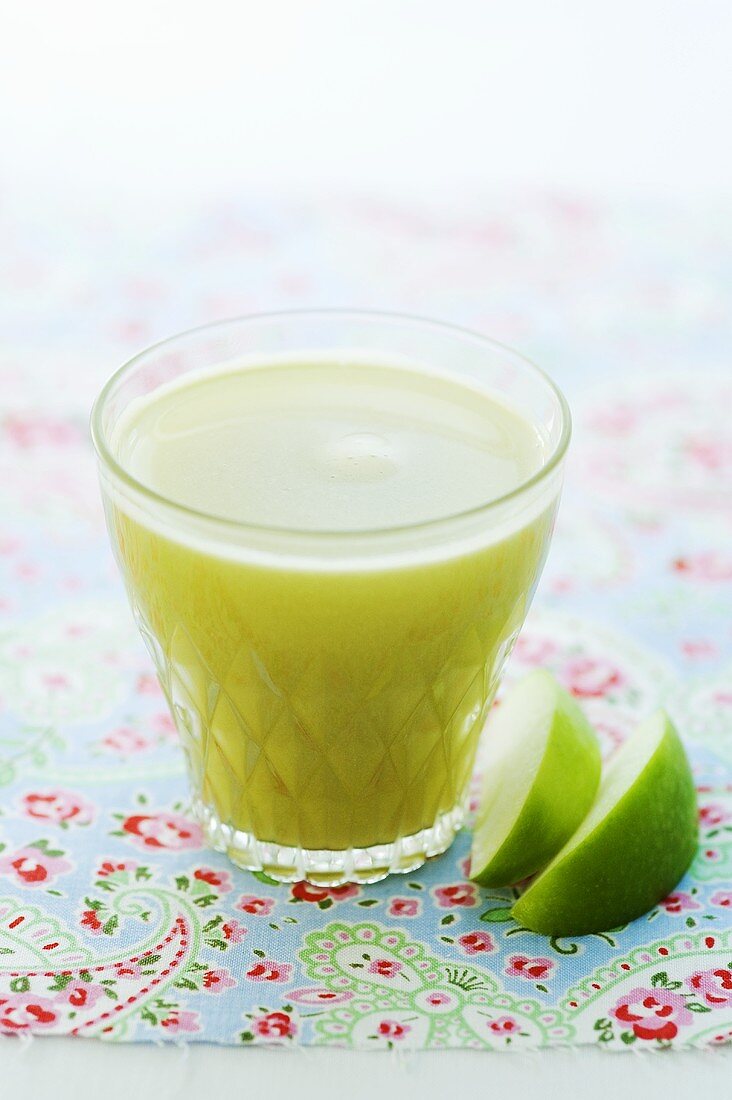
21,1013
181,1021
533,969
163,830
125,740
385,968
534,651
58,806
220,880
258,907
275,1025
34,866
504,1025
148,684
722,898
28,432
216,981
698,647
448,897
708,566
91,921
612,734
715,986
265,970
392,1029
317,995
54,681
305,891
78,630
713,815
28,572
9,545
164,725
679,902
404,907
233,931
476,943
591,678
110,868
710,454
80,994
617,419
652,1013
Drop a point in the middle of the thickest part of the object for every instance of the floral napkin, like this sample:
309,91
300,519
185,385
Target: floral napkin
115,920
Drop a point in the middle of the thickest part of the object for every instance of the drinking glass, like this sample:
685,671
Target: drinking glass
329,687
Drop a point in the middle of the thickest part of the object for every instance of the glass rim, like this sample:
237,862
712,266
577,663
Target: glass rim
107,459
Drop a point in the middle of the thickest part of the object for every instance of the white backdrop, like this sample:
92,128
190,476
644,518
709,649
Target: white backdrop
173,96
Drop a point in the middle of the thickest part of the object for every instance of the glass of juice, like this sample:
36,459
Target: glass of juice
330,526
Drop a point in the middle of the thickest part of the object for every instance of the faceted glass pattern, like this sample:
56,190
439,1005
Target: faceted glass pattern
330,687
345,760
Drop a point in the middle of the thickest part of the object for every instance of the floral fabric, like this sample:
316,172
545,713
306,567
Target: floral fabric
115,920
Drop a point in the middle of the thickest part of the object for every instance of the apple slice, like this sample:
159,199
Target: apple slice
542,769
632,848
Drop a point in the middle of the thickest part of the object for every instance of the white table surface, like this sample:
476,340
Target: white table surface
66,1069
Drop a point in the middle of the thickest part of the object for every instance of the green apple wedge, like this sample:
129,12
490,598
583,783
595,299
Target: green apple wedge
632,848
542,769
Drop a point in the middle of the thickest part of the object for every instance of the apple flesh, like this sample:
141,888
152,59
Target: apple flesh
541,773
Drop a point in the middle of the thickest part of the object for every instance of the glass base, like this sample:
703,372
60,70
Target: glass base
329,868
